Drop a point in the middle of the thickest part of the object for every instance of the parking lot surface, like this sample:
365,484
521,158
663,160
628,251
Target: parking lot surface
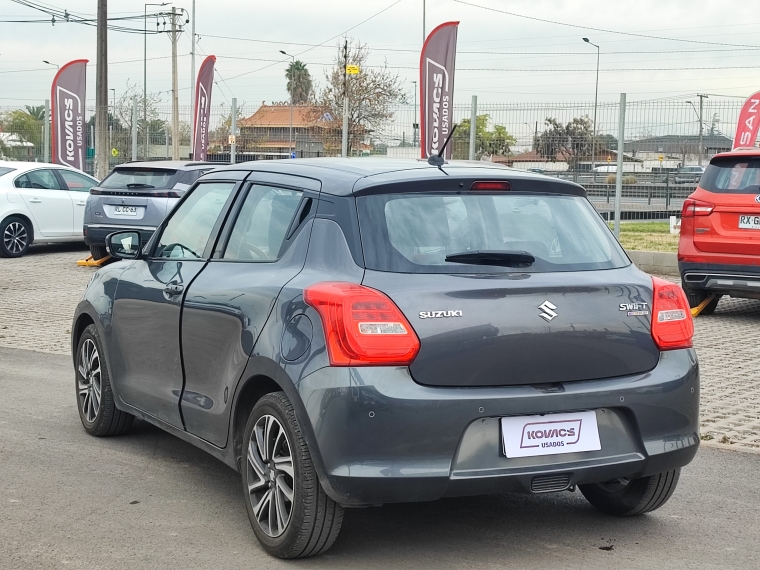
150,500
38,294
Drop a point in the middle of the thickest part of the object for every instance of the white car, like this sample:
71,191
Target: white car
40,202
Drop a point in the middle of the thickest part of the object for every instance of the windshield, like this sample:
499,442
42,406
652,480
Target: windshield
140,178
415,233
732,175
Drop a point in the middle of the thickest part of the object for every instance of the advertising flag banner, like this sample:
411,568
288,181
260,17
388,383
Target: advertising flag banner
68,121
749,122
203,108
437,88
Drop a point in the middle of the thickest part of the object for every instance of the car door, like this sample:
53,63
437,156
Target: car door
77,186
50,205
145,343
228,304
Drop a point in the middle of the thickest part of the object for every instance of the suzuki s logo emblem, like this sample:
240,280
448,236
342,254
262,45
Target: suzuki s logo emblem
547,311
757,198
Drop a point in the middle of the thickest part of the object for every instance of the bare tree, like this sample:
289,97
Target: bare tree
371,93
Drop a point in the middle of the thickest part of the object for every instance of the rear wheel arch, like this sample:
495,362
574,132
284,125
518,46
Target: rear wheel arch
27,220
250,392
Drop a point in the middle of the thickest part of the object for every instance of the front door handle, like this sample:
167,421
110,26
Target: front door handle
35,200
81,203
174,289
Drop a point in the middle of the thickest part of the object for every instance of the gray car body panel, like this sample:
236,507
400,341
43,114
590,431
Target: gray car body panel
374,433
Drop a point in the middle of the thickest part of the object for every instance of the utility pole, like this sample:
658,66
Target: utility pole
619,170
473,125
192,79
414,124
101,93
233,131
175,93
344,147
46,155
701,127
423,23
134,128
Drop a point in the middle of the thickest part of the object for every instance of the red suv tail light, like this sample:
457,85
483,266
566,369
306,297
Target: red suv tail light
672,326
363,327
692,207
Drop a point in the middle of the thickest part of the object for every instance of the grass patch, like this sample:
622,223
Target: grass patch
647,236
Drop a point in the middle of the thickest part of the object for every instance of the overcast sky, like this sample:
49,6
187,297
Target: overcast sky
518,59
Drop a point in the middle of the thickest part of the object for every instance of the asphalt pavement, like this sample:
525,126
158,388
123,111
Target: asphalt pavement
149,500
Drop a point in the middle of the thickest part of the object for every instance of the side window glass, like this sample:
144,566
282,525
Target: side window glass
77,182
39,180
259,231
188,231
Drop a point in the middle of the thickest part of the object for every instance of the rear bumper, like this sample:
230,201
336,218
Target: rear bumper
736,280
95,234
383,438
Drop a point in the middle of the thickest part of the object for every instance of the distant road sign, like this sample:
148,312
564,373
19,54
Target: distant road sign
114,152
232,139
609,159
292,155
352,69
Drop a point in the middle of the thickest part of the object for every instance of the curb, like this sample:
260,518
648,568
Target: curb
657,262
729,447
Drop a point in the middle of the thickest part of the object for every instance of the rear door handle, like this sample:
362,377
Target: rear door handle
174,289
81,203
35,200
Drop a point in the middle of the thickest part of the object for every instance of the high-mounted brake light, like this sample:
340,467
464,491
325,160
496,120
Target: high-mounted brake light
672,326
692,207
363,327
491,185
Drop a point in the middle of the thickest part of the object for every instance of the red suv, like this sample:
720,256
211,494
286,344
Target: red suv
719,249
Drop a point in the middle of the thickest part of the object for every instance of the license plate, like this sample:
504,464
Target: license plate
749,222
550,434
125,210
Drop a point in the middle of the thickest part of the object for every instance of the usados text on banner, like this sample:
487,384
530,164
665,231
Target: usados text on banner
437,62
203,108
68,121
749,122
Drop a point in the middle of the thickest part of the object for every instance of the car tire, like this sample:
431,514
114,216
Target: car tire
305,521
15,237
697,296
631,497
98,251
95,401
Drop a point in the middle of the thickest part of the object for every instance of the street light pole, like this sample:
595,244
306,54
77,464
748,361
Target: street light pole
701,147
290,133
596,96
414,124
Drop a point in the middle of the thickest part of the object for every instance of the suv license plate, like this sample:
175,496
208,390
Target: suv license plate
749,222
550,434
125,210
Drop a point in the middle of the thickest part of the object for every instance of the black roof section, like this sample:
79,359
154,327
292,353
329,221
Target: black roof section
368,175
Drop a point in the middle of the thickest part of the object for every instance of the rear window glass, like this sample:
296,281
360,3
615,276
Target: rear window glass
414,233
142,178
5,170
735,175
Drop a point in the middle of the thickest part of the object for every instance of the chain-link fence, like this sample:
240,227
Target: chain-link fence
666,145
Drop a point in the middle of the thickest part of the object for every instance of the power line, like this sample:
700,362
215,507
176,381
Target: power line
603,30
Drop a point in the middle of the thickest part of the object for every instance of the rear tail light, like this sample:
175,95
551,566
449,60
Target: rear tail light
692,207
491,185
363,327
672,326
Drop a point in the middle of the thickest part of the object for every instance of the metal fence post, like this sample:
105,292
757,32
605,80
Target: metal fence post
46,138
166,141
233,131
473,125
619,173
134,127
667,192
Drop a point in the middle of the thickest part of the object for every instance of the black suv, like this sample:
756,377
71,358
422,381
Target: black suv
352,332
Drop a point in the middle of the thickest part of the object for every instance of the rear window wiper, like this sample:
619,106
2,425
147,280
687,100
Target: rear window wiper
501,258
139,185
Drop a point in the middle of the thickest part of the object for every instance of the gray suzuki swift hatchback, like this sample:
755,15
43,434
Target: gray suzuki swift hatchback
352,332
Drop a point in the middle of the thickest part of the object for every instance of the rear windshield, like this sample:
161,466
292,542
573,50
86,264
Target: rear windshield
5,170
413,233
732,175
140,178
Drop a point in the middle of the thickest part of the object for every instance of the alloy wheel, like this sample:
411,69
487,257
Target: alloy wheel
89,382
270,476
15,237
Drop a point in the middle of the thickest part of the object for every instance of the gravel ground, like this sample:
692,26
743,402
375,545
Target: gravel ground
38,294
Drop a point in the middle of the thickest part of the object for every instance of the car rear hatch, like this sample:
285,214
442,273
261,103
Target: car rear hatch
578,311
138,195
731,185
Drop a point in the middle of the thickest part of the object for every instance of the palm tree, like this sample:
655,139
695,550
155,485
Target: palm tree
37,112
299,82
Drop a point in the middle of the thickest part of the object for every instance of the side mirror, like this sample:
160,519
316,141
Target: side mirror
123,245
